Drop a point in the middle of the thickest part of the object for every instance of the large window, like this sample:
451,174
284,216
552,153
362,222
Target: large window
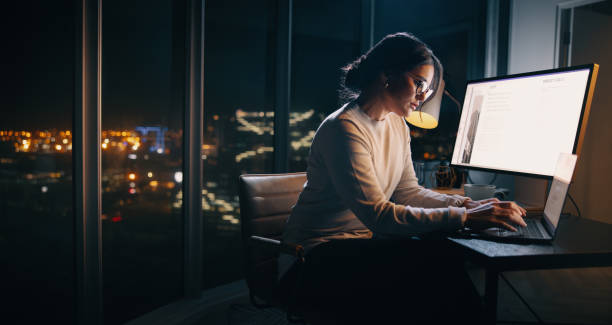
326,36
143,87
36,192
144,81
239,89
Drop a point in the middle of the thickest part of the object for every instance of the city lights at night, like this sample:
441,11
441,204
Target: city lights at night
144,71
130,165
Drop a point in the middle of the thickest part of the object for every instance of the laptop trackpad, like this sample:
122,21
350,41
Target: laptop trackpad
497,232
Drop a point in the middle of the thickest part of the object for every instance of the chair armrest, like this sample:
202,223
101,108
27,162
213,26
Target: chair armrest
282,247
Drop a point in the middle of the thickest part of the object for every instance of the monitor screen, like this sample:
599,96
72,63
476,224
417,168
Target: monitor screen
521,123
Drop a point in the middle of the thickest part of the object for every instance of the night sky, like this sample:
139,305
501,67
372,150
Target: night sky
144,61
38,65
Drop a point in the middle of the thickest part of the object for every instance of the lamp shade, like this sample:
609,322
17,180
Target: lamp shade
427,117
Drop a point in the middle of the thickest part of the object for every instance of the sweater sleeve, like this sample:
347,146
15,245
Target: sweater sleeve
348,159
409,192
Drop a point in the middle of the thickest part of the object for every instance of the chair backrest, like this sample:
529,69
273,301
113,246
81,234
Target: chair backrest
266,201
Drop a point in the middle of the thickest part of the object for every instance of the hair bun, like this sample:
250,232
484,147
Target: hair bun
351,79
352,74
393,55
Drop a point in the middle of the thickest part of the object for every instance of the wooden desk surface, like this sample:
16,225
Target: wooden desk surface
579,243
449,190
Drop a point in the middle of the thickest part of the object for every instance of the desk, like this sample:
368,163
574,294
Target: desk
449,190
579,243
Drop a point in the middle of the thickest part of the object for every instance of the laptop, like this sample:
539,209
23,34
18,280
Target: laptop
542,228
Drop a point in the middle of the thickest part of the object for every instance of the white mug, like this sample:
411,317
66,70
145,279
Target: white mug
479,191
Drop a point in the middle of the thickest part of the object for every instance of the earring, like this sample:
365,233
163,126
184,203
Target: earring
387,84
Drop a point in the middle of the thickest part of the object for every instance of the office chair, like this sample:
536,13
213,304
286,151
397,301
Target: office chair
266,201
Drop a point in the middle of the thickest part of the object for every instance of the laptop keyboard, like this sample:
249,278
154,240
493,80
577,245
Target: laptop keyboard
531,231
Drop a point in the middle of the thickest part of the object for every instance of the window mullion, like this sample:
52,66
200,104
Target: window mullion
283,86
87,163
192,203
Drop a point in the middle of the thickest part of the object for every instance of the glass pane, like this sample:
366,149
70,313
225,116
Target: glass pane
239,92
326,36
36,192
143,89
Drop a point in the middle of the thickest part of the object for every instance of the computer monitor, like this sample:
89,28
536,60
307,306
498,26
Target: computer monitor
519,124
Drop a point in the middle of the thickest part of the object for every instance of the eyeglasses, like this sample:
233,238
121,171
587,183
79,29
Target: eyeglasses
421,86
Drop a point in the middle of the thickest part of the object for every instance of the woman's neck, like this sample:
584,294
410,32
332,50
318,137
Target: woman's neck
373,106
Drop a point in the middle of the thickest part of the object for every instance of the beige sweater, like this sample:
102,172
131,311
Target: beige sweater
360,181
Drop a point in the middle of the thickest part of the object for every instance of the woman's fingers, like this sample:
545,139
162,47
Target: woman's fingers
509,213
507,226
501,214
484,207
518,208
524,212
491,200
513,206
517,219
504,204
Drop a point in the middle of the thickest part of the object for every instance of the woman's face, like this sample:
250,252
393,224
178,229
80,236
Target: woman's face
403,89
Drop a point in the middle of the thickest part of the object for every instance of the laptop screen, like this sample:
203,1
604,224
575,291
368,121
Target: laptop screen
558,190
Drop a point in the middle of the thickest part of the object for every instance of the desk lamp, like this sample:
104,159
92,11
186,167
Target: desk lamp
427,117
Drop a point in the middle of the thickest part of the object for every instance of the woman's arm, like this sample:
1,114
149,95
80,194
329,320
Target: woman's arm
409,192
348,158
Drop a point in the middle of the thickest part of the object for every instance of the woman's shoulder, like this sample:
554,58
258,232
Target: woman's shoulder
338,126
343,113
340,118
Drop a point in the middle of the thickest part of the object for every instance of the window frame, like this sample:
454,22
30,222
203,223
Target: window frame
87,129
87,158
86,155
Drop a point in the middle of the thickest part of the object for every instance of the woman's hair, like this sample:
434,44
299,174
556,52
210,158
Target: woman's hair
393,55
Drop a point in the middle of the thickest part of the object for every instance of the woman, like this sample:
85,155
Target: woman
361,185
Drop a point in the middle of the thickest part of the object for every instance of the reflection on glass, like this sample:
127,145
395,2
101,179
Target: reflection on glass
240,47
36,192
142,110
326,36
419,169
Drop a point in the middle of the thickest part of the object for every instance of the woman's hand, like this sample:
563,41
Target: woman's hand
470,204
495,214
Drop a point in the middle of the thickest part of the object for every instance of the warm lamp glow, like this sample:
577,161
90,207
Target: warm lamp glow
427,116
422,120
